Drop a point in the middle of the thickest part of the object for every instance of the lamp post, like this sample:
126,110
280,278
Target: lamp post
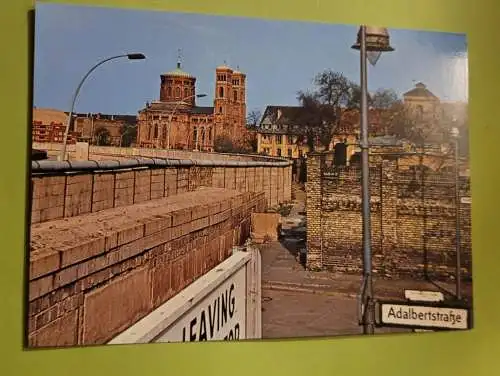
371,42
173,112
134,56
458,277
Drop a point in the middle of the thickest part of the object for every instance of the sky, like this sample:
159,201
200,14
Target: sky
279,57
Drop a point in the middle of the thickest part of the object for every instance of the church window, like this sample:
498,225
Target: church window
235,95
155,131
195,133
177,92
169,92
220,110
186,92
221,92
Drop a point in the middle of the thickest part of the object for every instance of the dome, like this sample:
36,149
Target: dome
178,72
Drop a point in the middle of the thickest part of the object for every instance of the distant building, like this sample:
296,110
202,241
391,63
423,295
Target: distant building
49,125
89,126
176,121
279,134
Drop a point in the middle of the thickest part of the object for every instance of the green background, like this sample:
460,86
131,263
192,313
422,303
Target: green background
475,352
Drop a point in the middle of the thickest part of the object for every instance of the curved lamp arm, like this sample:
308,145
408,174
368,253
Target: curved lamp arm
135,56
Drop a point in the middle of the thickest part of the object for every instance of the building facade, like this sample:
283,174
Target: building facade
49,125
103,129
279,135
175,121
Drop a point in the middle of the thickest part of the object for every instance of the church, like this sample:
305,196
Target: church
176,122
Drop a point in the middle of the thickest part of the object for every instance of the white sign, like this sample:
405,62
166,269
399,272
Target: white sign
421,316
223,304
219,316
424,296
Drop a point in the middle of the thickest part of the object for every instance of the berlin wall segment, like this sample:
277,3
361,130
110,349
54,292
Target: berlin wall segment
145,253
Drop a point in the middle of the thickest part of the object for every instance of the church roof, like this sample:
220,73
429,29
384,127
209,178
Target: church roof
420,90
169,106
178,72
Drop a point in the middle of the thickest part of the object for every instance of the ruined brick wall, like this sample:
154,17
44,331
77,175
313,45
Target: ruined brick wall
67,195
92,276
412,220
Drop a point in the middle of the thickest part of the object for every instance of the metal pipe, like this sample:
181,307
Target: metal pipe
369,317
458,273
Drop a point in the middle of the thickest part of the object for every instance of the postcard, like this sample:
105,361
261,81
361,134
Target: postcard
207,178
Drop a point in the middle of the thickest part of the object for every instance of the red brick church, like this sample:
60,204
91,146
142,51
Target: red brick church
176,122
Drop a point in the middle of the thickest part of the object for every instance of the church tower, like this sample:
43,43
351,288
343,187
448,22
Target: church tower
177,86
239,101
222,99
230,102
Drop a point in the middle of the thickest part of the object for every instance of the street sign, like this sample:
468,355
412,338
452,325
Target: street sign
424,296
423,315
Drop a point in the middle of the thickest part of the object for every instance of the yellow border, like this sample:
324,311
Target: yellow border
463,353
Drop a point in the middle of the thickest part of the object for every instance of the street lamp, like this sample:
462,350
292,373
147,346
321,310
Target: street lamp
173,112
455,133
133,56
371,42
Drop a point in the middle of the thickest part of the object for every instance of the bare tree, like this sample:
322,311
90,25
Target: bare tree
384,98
253,118
317,120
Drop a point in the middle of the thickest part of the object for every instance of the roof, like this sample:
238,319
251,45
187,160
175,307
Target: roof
202,110
49,115
124,118
178,72
169,106
420,90
283,116
223,67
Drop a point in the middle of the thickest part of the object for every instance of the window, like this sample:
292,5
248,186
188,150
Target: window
290,153
209,134
186,92
420,112
300,153
221,92
278,152
279,139
195,133
235,95
169,92
177,92
155,131
202,136
220,110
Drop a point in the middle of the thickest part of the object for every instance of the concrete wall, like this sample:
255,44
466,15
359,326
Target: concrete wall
94,275
68,194
412,220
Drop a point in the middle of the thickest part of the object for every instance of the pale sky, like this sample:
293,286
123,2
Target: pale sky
279,58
